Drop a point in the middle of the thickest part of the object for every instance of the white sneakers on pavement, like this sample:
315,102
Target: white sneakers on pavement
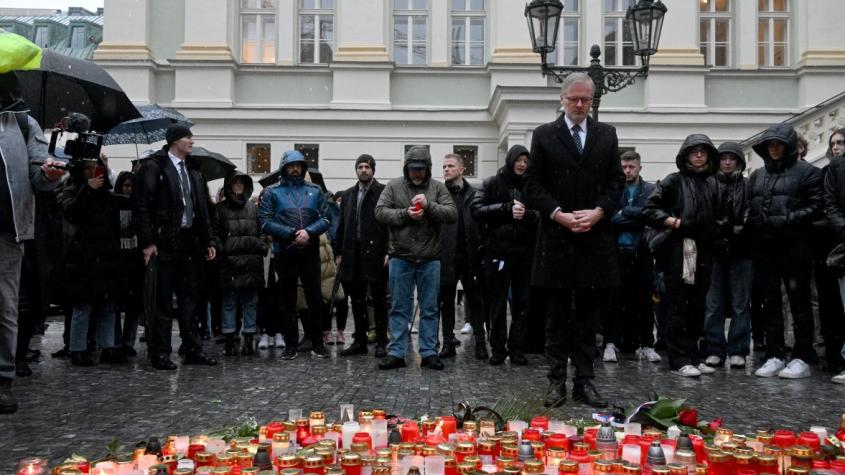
688,371
705,369
610,353
770,368
466,329
263,342
279,341
796,369
737,361
649,354
713,360
839,378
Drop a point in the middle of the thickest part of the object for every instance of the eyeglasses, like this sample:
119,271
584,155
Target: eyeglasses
576,99
837,142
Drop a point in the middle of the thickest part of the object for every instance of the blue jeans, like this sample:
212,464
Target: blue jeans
102,313
404,275
730,283
248,299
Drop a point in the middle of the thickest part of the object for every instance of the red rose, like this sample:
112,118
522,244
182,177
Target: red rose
716,423
688,417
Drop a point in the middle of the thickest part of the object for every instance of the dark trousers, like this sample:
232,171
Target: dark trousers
790,262
831,315
340,310
570,331
293,267
473,300
176,273
506,275
628,321
357,291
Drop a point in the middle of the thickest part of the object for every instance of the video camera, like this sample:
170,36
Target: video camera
81,145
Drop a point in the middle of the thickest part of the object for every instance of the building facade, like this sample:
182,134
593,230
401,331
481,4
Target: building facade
76,32
337,78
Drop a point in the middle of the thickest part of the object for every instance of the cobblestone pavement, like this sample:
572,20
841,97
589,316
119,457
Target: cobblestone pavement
66,409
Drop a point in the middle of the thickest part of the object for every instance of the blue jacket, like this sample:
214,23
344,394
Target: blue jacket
291,205
629,219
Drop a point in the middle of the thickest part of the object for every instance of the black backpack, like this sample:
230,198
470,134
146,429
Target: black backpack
23,124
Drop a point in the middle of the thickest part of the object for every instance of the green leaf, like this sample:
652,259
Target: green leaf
666,408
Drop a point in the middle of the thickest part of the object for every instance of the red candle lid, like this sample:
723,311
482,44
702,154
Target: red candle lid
531,434
784,438
810,439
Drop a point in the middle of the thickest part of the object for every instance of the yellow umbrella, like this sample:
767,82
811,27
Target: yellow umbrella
17,53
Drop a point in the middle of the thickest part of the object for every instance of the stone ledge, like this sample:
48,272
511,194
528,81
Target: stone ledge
678,56
362,53
823,57
122,51
205,52
514,55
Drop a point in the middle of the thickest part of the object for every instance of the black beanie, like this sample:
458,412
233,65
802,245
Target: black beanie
177,131
368,159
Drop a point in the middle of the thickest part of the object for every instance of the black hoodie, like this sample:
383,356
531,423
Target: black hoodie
732,199
505,236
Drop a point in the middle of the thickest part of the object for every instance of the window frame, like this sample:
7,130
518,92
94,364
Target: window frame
411,13
46,30
316,13
312,161
456,149
712,17
250,170
75,28
770,44
468,15
559,56
258,13
618,16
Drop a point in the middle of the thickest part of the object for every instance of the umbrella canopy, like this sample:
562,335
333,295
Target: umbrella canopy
17,52
315,176
212,165
63,85
147,129
270,179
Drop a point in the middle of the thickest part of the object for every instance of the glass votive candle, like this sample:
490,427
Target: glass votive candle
32,466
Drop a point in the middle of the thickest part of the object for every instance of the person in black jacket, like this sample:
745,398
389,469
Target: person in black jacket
461,260
628,321
510,232
241,259
834,200
730,281
130,302
360,249
786,197
171,218
682,206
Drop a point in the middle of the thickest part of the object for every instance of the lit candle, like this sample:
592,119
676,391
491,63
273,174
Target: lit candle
317,418
349,430
32,466
365,418
281,444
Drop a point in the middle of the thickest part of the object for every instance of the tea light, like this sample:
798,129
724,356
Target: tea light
316,418
32,466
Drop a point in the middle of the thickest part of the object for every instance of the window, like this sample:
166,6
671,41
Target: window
410,31
77,37
316,31
42,36
468,153
715,31
408,147
773,33
569,41
311,151
258,31
468,32
618,46
257,158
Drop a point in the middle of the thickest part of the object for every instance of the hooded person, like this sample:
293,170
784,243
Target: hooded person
731,277
413,207
682,206
240,259
510,231
130,302
786,197
293,212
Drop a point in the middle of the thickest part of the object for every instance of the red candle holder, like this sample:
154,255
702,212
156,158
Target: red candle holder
363,438
557,441
540,422
448,425
810,439
531,435
783,438
410,432
273,428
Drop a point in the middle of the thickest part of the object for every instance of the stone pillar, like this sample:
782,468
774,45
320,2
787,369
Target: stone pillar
440,28
286,28
745,24
512,62
125,51
819,53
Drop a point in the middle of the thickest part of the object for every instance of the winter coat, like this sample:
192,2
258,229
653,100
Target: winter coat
373,243
786,194
157,206
471,242
291,205
133,258
732,196
328,271
504,236
559,177
93,266
417,241
241,249
834,197
630,217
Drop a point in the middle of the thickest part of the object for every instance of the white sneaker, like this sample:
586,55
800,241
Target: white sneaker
688,371
796,369
264,342
649,354
771,368
466,329
704,369
839,378
713,360
279,341
737,361
610,353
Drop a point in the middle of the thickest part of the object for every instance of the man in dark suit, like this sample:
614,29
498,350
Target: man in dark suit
171,220
574,179
360,249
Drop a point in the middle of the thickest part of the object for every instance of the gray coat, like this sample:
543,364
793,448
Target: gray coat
18,156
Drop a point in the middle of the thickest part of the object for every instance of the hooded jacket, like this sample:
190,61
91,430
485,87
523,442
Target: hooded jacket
241,249
415,240
291,205
732,200
786,194
505,236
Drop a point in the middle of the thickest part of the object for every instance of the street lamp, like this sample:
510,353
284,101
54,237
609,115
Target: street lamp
644,20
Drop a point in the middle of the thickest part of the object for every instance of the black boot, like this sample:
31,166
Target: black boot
356,348
556,394
22,368
305,345
480,348
448,350
81,358
229,348
113,356
8,403
249,346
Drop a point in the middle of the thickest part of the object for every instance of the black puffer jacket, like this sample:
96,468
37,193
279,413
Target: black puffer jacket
505,236
242,251
732,199
786,194
834,196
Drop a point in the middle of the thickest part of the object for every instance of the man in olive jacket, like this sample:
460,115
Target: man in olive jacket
413,207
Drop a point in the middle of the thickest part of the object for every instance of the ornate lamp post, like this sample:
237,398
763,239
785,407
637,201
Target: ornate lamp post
645,21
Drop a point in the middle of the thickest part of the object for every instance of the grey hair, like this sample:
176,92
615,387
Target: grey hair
576,78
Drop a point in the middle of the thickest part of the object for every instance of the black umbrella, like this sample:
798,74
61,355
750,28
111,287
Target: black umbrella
271,179
63,85
147,129
212,165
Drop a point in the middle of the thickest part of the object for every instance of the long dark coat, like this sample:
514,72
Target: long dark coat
558,176
463,199
373,245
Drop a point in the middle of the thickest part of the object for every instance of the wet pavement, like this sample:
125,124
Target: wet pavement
66,409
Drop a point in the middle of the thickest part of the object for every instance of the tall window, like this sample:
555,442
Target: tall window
316,31
618,47
311,151
77,37
258,31
715,31
468,32
410,31
257,158
569,42
42,36
773,33
469,154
